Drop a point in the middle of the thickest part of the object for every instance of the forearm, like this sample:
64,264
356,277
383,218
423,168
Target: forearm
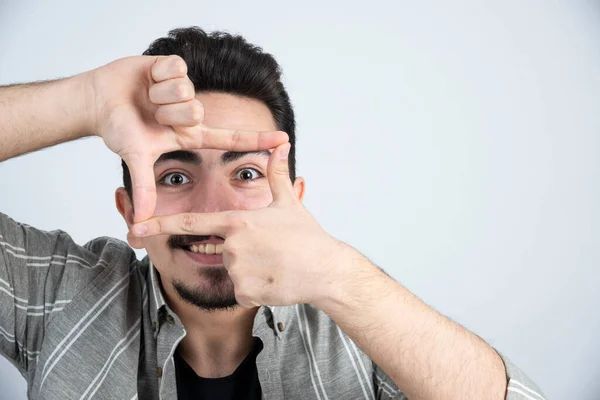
38,115
427,355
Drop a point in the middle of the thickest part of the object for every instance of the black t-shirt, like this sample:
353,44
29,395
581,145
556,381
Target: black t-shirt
243,384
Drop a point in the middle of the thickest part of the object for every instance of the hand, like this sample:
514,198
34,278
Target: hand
145,106
278,255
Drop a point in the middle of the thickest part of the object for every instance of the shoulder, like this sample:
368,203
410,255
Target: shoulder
118,261
111,251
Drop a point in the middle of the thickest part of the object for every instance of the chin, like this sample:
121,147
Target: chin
213,291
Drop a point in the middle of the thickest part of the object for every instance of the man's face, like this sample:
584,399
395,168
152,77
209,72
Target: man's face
203,181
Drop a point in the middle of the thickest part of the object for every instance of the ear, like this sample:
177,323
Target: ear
125,207
299,187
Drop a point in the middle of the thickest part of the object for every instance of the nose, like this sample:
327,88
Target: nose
214,195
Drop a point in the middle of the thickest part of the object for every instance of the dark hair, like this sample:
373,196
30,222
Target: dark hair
226,63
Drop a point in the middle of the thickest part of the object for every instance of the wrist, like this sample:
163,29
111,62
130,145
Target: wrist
85,86
346,270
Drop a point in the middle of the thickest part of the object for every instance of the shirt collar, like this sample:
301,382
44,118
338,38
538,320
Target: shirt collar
157,301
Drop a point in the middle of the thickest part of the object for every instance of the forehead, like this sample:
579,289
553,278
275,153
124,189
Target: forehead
222,110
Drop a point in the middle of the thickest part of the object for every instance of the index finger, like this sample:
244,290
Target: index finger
233,139
141,170
185,224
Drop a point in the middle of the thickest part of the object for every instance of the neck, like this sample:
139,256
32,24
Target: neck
216,341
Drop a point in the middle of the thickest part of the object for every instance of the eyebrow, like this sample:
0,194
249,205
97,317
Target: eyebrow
230,156
184,156
189,157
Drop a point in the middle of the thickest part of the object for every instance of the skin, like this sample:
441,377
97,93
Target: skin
143,107
216,342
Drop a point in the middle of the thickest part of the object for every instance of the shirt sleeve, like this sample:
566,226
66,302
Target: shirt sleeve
385,388
40,273
520,386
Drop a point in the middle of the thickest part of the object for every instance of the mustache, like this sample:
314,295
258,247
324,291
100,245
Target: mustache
179,241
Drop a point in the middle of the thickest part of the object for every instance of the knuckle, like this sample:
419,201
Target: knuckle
174,65
230,256
188,222
241,293
236,221
202,130
241,299
178,65
141,187
152,93
233,275
159,225
197,111
236,140
182,90
282,169
160,116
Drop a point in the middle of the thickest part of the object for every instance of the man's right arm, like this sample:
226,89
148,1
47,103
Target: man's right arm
41,272
140,106
38,115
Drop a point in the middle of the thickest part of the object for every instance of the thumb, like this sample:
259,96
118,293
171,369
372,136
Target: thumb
278,174
141,169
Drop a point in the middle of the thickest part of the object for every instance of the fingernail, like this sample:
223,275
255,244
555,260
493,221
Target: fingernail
140,230
285,152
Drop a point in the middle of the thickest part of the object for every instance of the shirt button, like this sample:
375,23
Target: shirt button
154,326
159,372
280,326
170,319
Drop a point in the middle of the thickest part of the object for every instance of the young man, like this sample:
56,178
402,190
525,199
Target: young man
243,294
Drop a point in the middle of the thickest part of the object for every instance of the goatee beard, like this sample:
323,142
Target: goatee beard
216,293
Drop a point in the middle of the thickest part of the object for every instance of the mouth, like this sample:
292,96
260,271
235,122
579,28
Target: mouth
205,248
207,252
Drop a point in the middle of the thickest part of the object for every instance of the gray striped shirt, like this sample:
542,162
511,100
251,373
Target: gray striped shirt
83,322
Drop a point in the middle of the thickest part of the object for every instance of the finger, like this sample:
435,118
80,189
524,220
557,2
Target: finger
185,224
141,167
278,174
190,113
135,241
235,140
171,91
168,67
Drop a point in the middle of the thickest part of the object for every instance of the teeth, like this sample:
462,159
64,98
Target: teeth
208,248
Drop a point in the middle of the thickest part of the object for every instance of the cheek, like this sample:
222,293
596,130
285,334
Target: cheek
155,246
161,255
252,200
171,203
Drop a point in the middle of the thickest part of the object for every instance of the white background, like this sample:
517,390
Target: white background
455,143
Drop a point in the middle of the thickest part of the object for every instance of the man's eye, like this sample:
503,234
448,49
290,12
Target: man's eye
248,174
175,179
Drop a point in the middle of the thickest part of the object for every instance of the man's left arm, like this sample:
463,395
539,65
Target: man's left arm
280,255
423,352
